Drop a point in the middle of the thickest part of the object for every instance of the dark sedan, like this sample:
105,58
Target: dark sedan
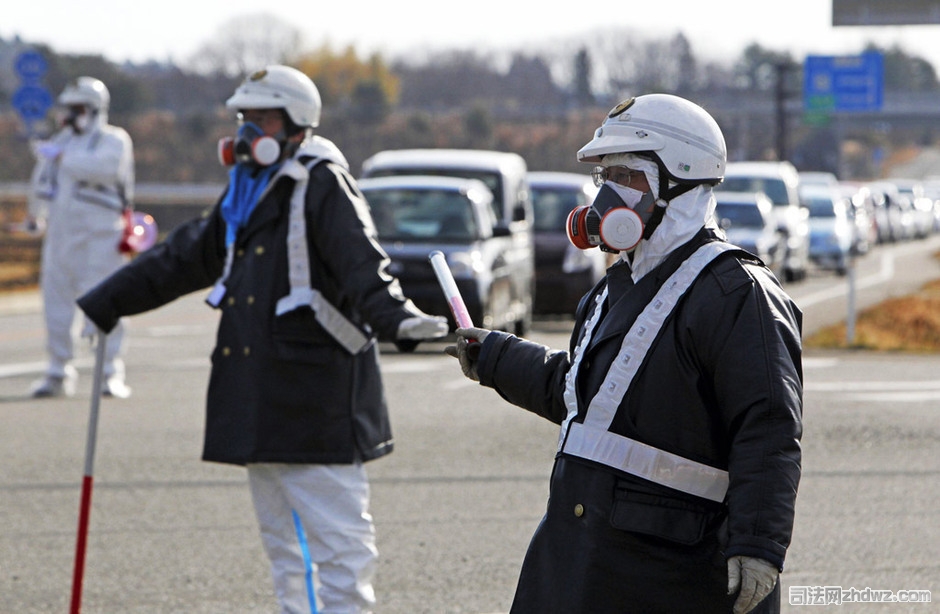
563,273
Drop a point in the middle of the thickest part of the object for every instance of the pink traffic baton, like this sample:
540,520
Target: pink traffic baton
451,292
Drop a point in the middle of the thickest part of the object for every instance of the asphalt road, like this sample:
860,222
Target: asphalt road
457,502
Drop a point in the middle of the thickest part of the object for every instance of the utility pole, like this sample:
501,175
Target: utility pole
782,69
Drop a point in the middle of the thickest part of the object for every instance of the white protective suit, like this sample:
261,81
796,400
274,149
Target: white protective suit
80,186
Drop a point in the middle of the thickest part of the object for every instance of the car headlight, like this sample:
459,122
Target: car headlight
465,265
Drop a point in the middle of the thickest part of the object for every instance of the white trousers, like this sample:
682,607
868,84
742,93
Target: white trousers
318,535
63,279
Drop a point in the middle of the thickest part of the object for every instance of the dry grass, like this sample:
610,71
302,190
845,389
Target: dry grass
906,324
19,261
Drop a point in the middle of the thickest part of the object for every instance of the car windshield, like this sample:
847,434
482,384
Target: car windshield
416,215
740,216
776,189
819,207
492,180
551,206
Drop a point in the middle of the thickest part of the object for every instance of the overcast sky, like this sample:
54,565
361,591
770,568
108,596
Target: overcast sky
175,29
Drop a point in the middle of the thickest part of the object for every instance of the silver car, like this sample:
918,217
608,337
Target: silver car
747,220
416,215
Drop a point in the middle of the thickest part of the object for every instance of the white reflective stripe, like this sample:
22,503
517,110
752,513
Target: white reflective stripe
593,440
642,460
301,293
218,290
298,257
640,337
571,378
330,318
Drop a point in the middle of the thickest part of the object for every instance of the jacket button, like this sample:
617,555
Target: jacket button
247,350
231,301
579,510
259,250
240,253
226,351
250,300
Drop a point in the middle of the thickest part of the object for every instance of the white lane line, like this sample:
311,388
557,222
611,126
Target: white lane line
459,383
23,368
868,386
887,392
27,368
819,363
895,397
842,288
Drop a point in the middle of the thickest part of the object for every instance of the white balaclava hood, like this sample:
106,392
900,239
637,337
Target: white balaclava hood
685,215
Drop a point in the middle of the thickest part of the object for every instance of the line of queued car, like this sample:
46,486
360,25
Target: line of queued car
819,221
502,227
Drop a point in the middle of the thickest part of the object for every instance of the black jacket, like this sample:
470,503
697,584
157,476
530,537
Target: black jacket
281,388
722,385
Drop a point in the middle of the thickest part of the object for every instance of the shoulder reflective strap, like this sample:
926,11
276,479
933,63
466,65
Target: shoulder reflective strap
302,294
571,378
218,290
592,439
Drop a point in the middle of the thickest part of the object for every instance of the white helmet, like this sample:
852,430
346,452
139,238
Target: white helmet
280,87
86,91
681,135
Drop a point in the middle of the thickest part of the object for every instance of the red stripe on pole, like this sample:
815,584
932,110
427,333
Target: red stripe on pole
83,515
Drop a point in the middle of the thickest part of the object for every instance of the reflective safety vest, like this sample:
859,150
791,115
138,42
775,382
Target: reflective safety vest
337,325
592,438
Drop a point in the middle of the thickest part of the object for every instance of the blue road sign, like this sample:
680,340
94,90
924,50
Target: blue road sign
843,83
32,102
30,65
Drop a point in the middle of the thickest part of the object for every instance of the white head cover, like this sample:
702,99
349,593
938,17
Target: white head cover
685,215
320,147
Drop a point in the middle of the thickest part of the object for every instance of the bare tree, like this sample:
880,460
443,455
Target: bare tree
246,43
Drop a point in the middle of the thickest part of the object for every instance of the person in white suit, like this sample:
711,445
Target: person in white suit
82,183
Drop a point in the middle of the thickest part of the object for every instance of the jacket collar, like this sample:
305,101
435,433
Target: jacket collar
625,309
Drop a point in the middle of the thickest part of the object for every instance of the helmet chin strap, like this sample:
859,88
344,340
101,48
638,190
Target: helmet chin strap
655,218
666,194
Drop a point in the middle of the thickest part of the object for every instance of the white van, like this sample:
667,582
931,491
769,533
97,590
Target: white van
505,175
780,181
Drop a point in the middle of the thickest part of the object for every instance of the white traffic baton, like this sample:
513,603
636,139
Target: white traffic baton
88,479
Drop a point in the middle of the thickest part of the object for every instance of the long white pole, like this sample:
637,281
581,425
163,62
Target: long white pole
88,479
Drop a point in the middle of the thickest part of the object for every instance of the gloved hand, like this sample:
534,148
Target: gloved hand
754,577
467,350
422,327
90,330
49,150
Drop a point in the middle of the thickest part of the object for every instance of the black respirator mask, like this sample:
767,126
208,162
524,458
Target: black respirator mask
250,146
78,118
617,220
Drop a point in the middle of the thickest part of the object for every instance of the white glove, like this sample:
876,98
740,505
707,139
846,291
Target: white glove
423,327
754,577
467,350
90,330
48,150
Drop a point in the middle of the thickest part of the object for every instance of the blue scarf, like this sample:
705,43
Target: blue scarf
242,196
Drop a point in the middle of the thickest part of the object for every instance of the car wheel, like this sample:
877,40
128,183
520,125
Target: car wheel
407,346
522,325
